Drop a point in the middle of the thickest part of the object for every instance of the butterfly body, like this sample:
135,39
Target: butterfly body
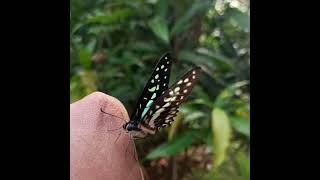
158,104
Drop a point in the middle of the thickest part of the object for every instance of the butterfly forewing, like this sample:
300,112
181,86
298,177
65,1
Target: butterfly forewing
156,85
165,108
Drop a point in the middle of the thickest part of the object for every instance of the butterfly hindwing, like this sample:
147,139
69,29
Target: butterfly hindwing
165,108
156,85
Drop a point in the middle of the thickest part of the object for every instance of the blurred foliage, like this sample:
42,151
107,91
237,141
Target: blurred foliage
114,46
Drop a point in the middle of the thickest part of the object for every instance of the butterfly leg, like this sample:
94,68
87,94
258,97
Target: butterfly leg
125,154
117,137
134,148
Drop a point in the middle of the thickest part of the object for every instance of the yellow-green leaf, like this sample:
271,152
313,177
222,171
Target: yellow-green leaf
221,135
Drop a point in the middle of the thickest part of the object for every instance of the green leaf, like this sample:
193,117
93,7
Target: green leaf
175,146
111,17
84,56
162,8
240,18
229,92
142,46
219,60
174,127
221,135
241,125
243,162
195,58
184,22
160,28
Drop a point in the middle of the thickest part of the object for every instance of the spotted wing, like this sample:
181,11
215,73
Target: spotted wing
156,85
165,108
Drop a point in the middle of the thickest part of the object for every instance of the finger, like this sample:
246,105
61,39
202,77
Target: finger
93,151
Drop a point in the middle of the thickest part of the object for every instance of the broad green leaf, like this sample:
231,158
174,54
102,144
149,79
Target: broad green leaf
84,56
243,162
184,22
221,135
240,18
160,28
241,125
175,146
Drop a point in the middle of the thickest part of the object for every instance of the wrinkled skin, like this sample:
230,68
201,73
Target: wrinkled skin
96,153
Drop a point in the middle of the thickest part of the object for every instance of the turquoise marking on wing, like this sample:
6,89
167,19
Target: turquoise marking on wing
145,111
154,95
147,108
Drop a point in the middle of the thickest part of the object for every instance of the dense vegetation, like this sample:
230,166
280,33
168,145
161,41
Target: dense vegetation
113,48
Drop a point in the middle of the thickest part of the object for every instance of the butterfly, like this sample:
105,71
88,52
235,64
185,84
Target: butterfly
158,104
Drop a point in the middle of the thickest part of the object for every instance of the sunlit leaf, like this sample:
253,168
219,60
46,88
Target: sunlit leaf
239,18
221,135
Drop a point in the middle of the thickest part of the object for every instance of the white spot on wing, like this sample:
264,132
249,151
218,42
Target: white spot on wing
162,66
166,70
171,93
193,77
189,84
157,76
177,89
166,105
167,99
185,91
193,72
180,82
186,80
157,69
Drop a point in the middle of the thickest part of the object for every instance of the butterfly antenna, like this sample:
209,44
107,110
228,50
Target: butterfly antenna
114,129
112,115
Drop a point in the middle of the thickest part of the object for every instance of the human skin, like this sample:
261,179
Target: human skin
96,152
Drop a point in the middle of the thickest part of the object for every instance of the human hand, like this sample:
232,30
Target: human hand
96,153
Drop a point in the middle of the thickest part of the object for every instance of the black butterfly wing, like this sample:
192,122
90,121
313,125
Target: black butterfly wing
156,85
162,112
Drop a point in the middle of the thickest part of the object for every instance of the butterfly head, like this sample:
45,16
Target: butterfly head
130,126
